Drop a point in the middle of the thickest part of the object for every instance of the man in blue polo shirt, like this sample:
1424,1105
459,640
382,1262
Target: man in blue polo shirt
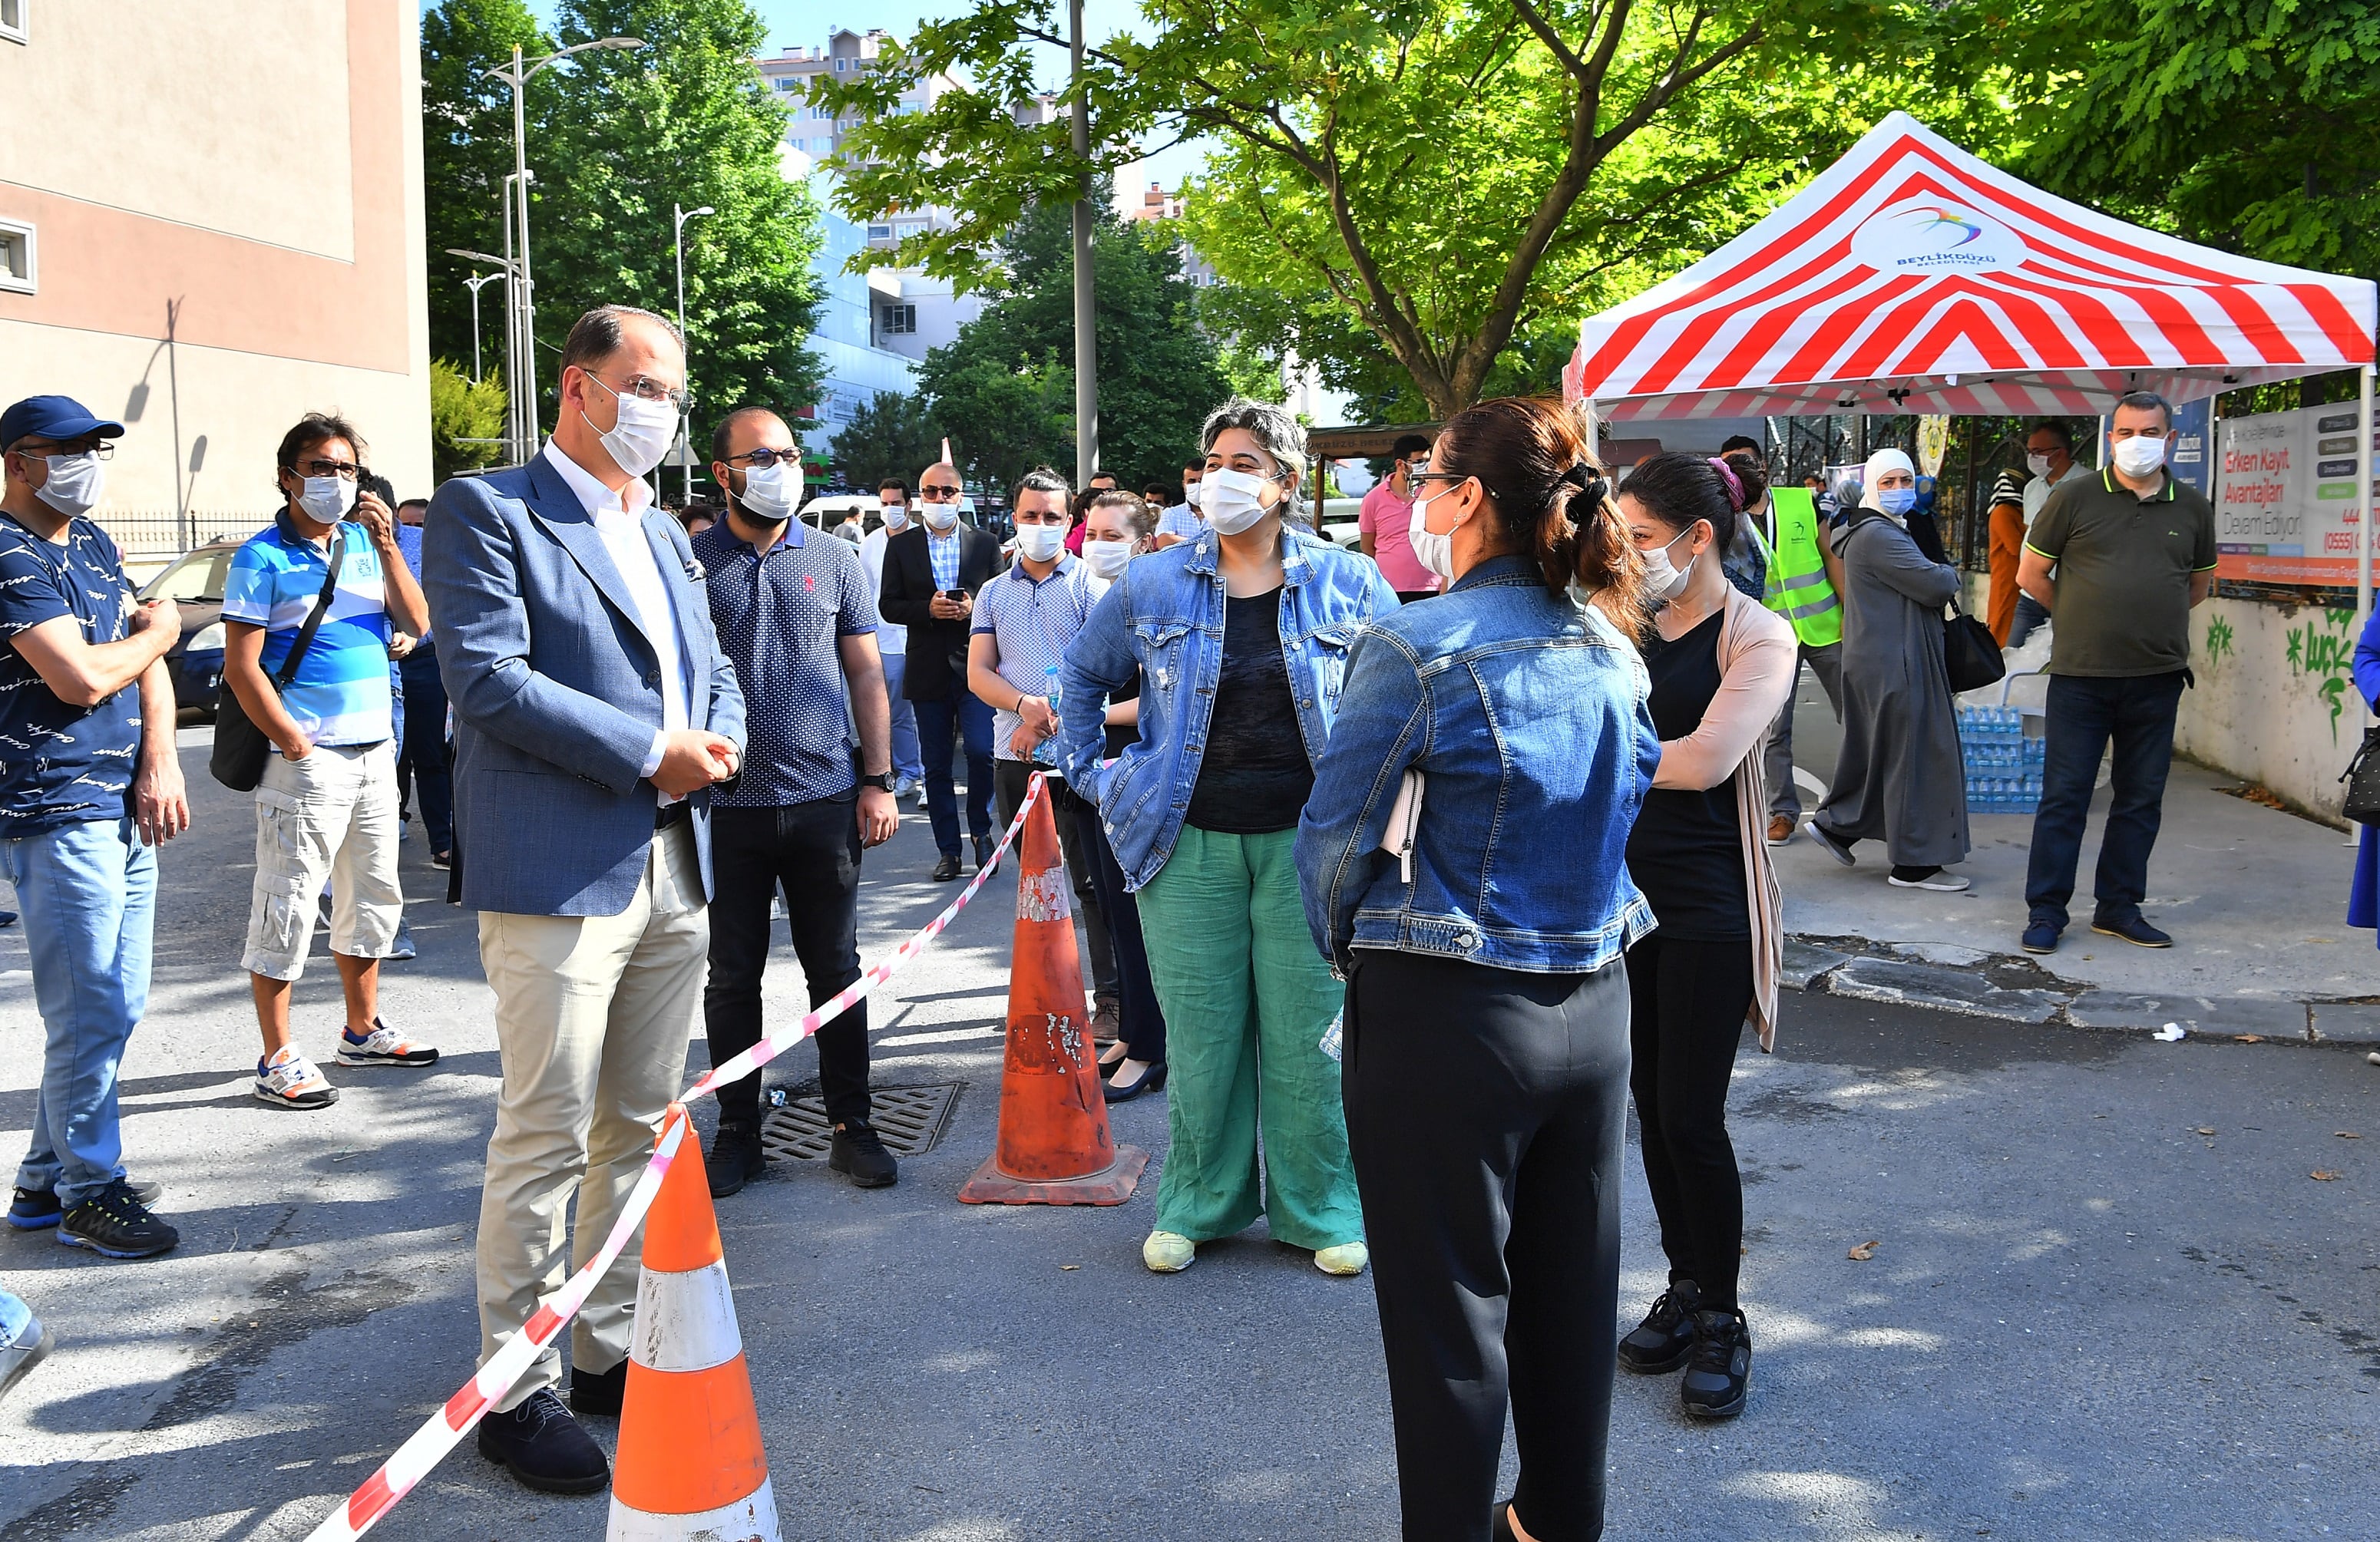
796,613
327,807
89,786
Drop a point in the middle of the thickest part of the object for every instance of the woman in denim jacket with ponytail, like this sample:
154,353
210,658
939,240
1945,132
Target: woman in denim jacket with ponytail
1485,1043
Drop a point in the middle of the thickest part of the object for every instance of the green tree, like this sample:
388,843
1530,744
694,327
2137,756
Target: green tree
615,138
466,420
467,137
1441,176
892,436
1008,400
2253,127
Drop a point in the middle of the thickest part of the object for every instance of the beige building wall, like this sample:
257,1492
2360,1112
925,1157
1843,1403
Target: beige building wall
257,168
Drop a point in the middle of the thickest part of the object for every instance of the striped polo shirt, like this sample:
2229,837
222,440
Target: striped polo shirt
340,694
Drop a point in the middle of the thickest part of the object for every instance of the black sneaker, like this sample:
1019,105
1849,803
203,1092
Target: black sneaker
36,1209
1718,1378
598,1395
1666,1338
734,1158
542,1446
114,1223
857,1152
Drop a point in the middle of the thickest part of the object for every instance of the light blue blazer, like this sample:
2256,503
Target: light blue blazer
557,691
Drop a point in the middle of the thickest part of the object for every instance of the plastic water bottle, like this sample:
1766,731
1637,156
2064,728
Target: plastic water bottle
1046,752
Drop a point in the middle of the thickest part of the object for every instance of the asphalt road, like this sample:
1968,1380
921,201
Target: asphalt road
2106,1298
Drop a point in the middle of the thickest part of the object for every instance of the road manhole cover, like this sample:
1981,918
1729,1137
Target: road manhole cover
909,1118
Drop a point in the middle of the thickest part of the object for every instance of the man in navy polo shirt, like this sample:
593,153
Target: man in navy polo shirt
797,618
89,786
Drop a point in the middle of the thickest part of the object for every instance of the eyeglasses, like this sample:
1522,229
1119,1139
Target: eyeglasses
103,448
345,468
1439,476
761,459
647,389
936,493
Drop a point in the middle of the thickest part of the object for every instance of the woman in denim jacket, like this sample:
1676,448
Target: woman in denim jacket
1486,1040
1239,638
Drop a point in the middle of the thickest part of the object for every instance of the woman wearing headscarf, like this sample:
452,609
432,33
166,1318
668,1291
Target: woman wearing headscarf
1900,778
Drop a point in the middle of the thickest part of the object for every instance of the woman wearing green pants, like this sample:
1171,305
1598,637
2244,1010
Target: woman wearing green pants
1240,638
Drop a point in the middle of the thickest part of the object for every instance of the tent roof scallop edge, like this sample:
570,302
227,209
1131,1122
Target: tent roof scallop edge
1911,276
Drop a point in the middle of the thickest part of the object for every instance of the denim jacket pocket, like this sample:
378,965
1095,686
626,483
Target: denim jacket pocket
1162,650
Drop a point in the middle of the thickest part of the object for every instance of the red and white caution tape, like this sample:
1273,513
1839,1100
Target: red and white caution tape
412,1461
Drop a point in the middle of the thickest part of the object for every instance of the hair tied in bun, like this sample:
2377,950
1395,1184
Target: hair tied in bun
1735,499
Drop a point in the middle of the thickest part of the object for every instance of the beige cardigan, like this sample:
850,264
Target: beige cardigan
1756,663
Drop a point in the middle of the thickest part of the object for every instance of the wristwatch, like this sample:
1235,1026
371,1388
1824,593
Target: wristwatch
882,782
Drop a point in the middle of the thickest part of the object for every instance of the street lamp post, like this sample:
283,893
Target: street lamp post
474,283
516,437
524,304
685,418
1086,347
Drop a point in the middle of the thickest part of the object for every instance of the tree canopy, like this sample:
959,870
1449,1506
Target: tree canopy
615,138
890,437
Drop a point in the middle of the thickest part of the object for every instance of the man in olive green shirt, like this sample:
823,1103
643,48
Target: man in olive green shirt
2134,551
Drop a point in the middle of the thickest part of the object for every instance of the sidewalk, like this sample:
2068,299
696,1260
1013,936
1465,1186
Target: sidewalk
2255,899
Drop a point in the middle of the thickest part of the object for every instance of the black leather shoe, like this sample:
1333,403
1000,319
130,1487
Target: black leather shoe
1500,1527
857,1152
1718,1378
543,1448
599,1394
982,852
1117,1090
734,1158
1665,1338
2134,929
947,868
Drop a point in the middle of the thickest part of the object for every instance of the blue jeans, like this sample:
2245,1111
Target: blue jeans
15,1317
89,892
2085,713
421,766
908,765
2029,614
941,726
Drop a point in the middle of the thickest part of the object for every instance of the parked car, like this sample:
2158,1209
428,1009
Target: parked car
195,584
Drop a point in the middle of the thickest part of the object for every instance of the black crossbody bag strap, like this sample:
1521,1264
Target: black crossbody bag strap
288,670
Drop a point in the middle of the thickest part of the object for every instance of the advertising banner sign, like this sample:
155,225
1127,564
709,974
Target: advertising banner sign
2286,511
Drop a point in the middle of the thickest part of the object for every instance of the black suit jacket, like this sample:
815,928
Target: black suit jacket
938,649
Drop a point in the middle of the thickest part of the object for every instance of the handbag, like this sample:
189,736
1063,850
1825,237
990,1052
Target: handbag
2363,779
1971,655
240,746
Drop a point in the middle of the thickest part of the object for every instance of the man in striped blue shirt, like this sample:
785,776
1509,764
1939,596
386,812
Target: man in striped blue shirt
327,804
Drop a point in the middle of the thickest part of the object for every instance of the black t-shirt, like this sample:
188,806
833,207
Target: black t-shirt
1255,777
1686,852
1122,734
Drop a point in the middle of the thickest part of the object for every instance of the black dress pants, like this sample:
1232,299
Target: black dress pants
809,852
1141,1020
1687,1001
1486,1114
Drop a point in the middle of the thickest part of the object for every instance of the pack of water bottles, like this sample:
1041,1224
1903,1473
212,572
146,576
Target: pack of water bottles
2003,761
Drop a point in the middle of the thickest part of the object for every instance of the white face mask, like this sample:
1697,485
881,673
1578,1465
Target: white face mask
1190,494
1665,581
1433,550
1233,500
1041,543
1107,558
75,482
941,518
639,438
2037,464
2138,456
769,493
327,499
897,517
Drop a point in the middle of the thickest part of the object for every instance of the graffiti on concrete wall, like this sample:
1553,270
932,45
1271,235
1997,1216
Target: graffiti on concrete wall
2218,642
2322,650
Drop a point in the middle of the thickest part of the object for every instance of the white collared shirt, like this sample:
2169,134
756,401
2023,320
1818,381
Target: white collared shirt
619,522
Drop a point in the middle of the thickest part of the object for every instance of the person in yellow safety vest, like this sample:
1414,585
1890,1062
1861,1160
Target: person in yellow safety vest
1804,580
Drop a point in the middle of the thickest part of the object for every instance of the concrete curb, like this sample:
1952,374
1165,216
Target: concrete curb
2016,988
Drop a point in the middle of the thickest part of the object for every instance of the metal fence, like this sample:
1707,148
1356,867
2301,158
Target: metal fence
163,533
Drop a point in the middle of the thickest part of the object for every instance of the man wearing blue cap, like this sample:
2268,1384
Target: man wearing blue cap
89,786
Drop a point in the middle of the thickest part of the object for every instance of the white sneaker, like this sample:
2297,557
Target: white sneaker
290,1081
1937,880
31,1346
383,1046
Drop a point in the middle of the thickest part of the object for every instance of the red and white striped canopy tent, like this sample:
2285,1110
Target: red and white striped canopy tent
1912,277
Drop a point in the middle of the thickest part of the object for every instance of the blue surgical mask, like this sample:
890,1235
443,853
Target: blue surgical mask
1896,501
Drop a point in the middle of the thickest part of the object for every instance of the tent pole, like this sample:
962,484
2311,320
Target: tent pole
2365,429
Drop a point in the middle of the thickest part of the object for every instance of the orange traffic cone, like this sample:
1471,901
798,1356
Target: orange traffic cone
690,1467
1054,1148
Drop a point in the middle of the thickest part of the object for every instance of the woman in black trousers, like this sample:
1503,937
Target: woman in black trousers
1496,740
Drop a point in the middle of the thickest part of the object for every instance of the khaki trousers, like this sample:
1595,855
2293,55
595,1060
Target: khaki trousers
592,1017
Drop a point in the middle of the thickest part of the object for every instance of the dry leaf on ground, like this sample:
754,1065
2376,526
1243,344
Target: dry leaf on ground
2247,1039
2347,1134
2206,1129
2323,1176
1867,1250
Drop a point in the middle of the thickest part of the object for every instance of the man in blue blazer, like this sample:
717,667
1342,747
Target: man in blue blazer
593,712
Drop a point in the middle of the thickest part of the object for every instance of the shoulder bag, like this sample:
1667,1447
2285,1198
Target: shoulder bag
1971,655
240,745
2363,779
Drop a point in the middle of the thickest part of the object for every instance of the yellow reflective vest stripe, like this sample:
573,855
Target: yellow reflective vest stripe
1798,588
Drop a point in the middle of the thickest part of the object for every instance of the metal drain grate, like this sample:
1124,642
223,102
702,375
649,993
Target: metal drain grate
909,1118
